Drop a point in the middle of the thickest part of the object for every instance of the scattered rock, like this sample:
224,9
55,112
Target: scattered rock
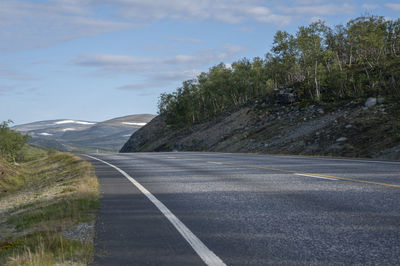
389,154
286,96
83,232
335,149
280,128
370,102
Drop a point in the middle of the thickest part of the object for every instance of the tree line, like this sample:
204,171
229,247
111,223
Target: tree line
11,142
353,61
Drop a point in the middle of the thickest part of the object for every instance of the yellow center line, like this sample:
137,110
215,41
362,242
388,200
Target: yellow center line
327,176
304,173
360,181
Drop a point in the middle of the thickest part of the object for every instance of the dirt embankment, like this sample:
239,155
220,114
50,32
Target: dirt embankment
351,130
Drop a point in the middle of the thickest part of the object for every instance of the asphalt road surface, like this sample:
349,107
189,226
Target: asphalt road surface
241,209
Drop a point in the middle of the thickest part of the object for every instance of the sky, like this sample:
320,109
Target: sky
99,59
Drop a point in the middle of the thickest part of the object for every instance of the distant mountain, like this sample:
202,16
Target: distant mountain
55,128
84,136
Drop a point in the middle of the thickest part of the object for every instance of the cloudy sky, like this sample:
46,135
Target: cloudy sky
99,59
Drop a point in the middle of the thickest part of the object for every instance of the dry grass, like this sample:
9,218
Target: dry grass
50,195
6,171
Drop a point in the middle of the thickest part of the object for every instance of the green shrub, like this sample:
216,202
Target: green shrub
11,142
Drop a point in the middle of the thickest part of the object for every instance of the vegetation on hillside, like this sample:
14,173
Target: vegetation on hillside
11,142
48,204
355,61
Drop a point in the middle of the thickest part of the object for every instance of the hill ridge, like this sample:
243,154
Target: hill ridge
77,135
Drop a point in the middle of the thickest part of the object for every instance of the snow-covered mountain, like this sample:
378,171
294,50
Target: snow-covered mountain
84,136
60,125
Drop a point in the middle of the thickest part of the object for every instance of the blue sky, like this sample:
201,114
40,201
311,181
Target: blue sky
99,59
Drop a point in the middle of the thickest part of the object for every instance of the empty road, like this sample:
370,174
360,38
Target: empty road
190,208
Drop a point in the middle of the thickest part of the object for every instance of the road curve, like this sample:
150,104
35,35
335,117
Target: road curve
246,210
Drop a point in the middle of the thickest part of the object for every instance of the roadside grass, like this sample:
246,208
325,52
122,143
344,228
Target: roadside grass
42,204
31,153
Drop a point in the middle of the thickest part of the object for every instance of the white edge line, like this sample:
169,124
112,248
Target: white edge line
320,177
199,247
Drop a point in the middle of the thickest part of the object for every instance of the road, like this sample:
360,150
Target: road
245,209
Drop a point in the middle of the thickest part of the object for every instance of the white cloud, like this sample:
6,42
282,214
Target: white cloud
315,19
109,60
229,66
317,10
181,62
309,2
27,25
393,6
7,73
157,72
21,90
4,89
140,86
160,80
370,6
176,75
190,40
228,11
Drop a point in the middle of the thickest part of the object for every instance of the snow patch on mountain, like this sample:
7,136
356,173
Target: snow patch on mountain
68,129
73,122
45,134
134,123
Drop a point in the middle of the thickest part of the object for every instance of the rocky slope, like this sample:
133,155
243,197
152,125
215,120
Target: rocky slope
352,130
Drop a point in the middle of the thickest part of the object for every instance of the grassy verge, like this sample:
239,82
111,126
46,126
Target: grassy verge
47,210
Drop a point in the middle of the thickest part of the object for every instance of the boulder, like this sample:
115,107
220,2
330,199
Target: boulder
370,102
286,96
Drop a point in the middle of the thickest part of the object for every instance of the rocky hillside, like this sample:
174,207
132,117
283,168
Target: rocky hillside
355,129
